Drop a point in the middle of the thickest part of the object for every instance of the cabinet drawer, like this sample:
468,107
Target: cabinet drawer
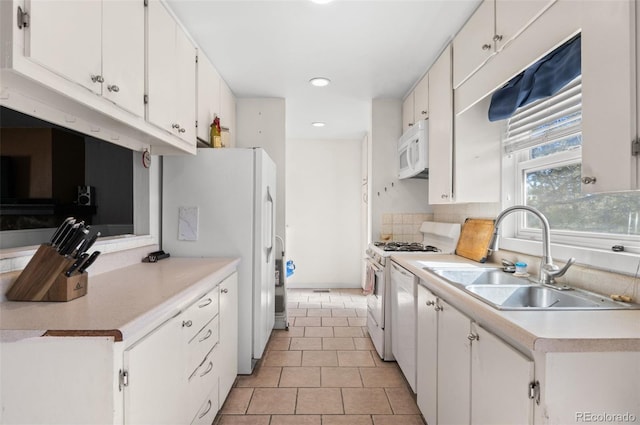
203,380
200,313
202,344
207,412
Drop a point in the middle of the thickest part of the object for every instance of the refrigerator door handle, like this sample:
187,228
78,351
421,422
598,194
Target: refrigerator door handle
269,238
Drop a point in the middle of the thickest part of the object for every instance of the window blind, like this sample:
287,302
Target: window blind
547,120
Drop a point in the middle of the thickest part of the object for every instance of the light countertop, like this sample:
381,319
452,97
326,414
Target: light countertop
543,331
118,303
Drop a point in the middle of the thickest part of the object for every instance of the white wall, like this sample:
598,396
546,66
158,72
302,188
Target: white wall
388,193
323,213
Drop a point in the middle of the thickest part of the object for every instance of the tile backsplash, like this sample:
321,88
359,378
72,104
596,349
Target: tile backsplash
403,227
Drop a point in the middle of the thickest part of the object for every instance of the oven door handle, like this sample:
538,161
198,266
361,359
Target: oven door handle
377,268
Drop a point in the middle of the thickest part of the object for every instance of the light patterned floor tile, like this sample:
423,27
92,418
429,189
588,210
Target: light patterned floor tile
306,343
397,420
340,377
402,401
297,377
364,401
318,312
338,343
273,401
319,358
355,358
348,331
283,358
335,321
296,420
318,332
237,401
382,377
319,401
346,420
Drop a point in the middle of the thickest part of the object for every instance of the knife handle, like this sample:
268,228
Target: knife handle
81,259
89,261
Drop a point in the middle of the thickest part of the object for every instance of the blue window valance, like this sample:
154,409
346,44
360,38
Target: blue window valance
542,79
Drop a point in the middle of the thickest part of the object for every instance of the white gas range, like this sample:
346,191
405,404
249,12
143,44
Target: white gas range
438,238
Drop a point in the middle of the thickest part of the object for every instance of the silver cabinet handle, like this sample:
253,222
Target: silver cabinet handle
430,303
224,290
486,46
207,336
497,37
209,369
473,337
205,303
97,78
203,414
438,308
174,125
182,130
187,323
113,88
588,180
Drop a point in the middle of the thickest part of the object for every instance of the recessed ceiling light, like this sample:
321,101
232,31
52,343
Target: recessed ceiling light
320,81
318,124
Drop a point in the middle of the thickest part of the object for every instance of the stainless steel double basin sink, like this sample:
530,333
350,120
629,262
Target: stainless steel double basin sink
505,291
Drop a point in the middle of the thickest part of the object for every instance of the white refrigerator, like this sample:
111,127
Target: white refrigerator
221,203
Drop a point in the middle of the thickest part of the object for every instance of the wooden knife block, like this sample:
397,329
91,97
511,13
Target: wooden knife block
44,280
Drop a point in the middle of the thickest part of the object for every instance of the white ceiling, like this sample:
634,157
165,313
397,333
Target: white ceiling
369,49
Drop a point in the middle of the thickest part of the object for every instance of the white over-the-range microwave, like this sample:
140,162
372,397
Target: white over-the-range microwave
413,152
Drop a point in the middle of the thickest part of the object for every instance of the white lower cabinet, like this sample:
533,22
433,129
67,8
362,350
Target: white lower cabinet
155,369
427,358
466,375
177,371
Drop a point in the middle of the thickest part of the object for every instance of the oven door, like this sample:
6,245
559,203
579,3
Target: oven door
375,300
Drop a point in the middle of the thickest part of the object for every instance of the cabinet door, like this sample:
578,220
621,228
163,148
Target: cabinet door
228,335
512,17
454,368
65,37
162,73
157,377
473,45
421,100
427,349
500,377
208,94
185,100
441,130
123,54
609,41
407,112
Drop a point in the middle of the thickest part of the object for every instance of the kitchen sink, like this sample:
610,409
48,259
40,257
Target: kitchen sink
505,291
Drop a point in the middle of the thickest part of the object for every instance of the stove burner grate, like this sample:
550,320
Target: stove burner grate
406,246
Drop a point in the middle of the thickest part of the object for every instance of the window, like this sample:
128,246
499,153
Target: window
544,141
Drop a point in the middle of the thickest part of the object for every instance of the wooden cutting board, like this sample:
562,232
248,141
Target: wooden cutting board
475,237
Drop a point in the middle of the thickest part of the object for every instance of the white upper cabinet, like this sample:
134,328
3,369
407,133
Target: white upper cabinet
228,112
441,130
416,105
473,45
407,112
421,100
123,54
208,97
493,25
609,83
66,37
171,75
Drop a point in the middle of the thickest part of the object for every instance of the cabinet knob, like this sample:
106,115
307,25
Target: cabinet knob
97,78
187,323
486,46
431,302
181,130
438,308
174,125
224,290
444,196
113,88
497,37
473,337
424,112
588,180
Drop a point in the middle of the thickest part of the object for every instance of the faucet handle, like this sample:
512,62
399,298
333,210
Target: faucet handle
553,271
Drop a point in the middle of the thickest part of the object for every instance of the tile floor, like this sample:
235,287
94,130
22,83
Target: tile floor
323,371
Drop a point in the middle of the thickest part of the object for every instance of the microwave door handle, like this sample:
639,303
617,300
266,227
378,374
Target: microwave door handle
410,155
416,152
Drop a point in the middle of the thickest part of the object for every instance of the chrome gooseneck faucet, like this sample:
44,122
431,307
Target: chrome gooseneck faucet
548,270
